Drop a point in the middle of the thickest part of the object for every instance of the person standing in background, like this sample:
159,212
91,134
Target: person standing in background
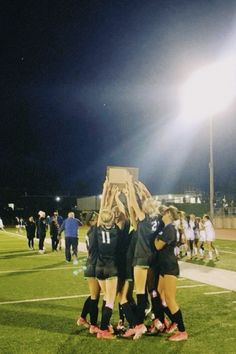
54,233
210,237
70,226
59,220
1,224
30,232
41,230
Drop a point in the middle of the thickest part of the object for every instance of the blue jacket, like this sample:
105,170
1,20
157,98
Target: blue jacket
70,227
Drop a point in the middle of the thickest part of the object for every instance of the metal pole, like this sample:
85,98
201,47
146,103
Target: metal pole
211,170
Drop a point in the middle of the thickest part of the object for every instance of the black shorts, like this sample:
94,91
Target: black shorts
90,271
144,262
129,274
169,270
106,268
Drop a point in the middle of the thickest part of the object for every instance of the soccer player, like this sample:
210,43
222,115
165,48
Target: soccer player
106,267
210,236
144,254
169,270
91,303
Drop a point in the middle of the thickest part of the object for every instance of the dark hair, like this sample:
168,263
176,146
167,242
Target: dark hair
90,217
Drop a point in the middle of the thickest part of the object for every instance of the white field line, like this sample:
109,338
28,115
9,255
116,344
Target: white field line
70,297
43,299
227,252
82,246
218,292
191,286
36,270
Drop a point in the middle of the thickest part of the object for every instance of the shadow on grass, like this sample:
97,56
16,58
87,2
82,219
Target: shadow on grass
16,251
41,321
37,269
18,255
207,263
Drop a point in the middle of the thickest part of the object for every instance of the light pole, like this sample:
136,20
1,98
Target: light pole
211,171
207,92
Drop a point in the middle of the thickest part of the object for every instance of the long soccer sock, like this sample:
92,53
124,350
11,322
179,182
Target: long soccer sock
93,312
168,313
178,318
86,307
106,316
129,314
141,306
157,306
121,313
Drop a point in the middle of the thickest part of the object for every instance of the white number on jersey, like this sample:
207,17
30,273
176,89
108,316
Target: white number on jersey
106,237
154,225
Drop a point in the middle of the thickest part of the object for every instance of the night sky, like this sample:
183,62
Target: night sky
87,84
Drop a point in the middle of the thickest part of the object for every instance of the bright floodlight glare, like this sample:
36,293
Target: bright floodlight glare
58,199
209,90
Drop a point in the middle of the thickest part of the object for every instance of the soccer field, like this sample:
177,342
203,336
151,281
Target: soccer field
41,298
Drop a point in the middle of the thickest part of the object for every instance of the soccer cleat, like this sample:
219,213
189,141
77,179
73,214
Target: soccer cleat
159,325
111,329
167,323
152,329
82,322
172,328
148,311
93,329
106,334
178,336
139,331
129,333
120,326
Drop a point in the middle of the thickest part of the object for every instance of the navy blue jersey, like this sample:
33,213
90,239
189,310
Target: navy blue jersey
92,244
41,228
167,259
108,241
146,232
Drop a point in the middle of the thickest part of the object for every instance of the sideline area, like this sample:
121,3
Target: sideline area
225,279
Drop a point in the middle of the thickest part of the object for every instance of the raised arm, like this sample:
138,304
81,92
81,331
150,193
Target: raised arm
133,200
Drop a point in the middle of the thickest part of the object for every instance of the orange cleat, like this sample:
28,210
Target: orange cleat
106,334
82,322
93,329
178,336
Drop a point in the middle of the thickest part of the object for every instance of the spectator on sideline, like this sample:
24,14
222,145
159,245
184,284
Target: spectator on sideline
70,226
41,230
59,220
30,232
54,233
1,224
17,224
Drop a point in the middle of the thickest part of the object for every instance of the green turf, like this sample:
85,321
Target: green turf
49,326
227,256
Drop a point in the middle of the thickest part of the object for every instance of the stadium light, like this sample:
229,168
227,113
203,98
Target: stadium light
58,199
209,91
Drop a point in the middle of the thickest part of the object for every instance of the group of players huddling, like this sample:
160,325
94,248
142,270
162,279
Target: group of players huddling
132,243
